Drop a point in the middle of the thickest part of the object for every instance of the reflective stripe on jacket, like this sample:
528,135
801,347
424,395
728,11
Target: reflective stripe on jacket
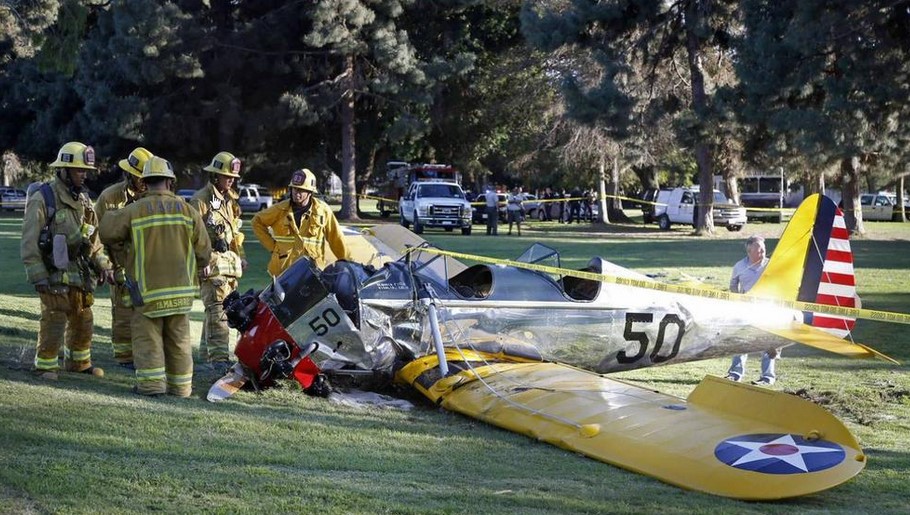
115,197
168,247
221,210
276,229
75,219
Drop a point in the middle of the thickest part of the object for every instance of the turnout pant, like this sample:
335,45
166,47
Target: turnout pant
121,318
216,335
66,320
163,354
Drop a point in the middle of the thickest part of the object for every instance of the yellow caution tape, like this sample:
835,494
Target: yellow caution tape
775,209
695,291
638,200
361,195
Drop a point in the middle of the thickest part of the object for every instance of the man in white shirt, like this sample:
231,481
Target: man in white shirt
745,274
514,209
492,200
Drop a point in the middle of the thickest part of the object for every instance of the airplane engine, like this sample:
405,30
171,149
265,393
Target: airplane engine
310,324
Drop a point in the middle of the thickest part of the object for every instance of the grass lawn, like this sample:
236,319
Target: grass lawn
86,445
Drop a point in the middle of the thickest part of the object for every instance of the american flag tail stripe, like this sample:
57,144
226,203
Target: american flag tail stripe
828,276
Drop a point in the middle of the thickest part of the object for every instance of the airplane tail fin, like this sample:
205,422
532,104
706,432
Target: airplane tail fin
813,263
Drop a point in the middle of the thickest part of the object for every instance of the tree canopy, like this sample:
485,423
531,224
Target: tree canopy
825,83
545,93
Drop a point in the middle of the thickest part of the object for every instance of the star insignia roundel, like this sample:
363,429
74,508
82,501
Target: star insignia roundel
771,453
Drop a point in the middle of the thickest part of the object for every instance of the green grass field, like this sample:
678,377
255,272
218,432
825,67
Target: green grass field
86,445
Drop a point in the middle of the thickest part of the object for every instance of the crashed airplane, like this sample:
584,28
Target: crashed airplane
524,345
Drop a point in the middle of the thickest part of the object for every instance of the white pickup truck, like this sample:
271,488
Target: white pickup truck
677,206
253,198
435,204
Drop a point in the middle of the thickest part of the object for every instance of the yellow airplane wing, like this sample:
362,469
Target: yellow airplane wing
813,337
726,439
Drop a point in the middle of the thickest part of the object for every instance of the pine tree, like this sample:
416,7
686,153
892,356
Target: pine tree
825,82
633,42
366,53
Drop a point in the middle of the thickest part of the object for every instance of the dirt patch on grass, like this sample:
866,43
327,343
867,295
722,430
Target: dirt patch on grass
13,501
862,406
897,396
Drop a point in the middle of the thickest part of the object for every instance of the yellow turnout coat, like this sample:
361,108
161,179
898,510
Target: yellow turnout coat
279,233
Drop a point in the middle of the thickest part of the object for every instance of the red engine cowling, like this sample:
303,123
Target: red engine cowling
265,330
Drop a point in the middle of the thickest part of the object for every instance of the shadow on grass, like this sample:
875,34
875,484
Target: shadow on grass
896,461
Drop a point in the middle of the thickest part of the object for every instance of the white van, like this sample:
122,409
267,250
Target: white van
677,206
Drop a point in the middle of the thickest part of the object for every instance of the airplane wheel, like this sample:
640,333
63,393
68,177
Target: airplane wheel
663,221
418,227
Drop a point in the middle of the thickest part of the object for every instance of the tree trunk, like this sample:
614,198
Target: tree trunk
615,204
853,212
813,183
366,179
731,185
704,223
900,199
604,216
348,166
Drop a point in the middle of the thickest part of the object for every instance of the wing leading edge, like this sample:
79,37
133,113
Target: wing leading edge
726,439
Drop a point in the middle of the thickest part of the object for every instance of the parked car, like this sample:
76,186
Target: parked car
186,194
531,204
254,198
480,208
12,199
880,206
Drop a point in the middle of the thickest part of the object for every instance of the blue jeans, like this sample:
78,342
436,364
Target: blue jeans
738,367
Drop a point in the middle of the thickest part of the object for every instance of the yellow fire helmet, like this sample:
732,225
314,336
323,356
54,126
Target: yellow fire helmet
75,155
135,162
158,167
224,163
304,180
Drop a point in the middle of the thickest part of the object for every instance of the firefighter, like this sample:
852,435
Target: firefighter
167,249
302,225
63,258
114,197
220,211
